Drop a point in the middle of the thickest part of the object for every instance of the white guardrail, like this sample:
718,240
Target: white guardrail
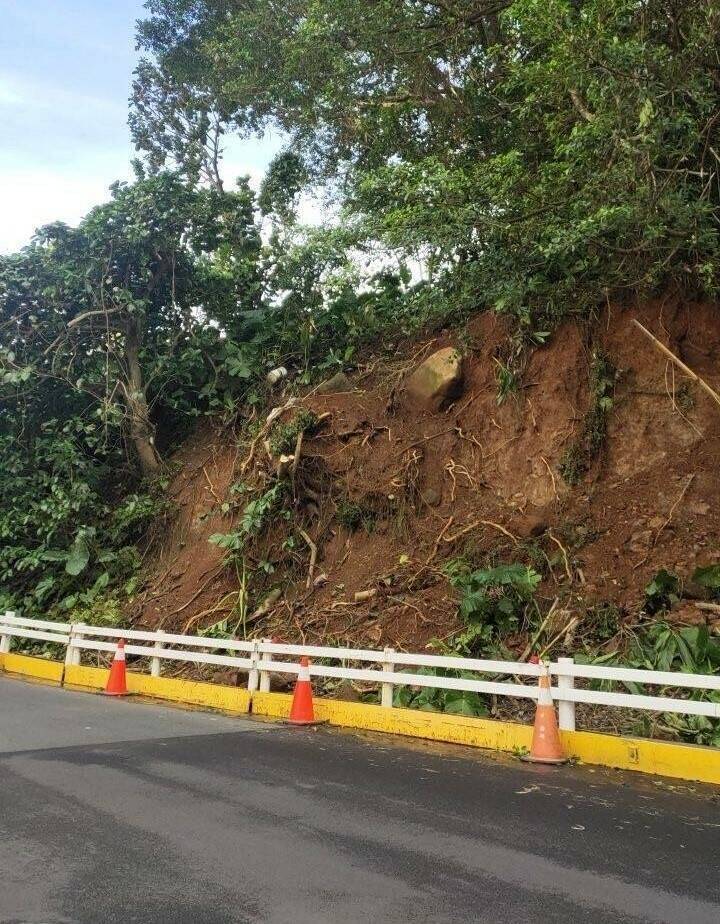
259,659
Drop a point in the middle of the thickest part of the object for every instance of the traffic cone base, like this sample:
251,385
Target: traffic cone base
546,747
117,682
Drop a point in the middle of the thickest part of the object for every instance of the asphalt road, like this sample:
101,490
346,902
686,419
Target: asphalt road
118,811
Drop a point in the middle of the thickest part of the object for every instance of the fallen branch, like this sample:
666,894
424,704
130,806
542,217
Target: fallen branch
264,430
564,631
197,593
313,557
267,604
363,595
709,607
679,363
210,485
531,644
425,439
552,478
296,460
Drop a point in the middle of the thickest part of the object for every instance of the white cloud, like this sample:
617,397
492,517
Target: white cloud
8,94
33,197
47,96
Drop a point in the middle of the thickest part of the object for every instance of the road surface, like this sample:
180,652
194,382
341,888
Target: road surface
119,811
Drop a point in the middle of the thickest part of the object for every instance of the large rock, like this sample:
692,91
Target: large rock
338,384
437,380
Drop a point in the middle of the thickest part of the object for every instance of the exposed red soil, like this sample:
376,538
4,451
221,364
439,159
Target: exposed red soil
650,499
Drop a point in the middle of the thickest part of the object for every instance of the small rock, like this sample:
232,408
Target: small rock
320,580
337,384
530,526
437,380
346,691
640,541
432,497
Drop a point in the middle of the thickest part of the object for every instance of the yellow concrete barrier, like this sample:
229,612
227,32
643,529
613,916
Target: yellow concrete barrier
36,668
453,729
661,758
234,700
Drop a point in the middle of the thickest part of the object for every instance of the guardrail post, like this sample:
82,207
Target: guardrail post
156,663
254,674
76,652
70,650
566,709
6,639
386,689
265,675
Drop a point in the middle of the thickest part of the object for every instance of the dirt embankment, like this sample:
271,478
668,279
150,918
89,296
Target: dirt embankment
388,492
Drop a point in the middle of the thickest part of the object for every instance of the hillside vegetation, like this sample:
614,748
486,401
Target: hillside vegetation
516,181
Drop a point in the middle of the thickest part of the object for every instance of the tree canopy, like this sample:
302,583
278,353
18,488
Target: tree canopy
544,152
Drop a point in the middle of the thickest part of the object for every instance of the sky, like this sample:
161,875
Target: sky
65,74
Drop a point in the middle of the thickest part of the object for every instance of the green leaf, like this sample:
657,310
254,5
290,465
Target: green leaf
707,576
78,558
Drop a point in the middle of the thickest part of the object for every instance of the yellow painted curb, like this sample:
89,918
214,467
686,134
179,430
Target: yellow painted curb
234,700
39,668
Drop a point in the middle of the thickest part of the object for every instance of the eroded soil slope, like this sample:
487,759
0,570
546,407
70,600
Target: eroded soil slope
388,492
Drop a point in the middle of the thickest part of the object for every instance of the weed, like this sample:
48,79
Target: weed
284,436
508,382
252,521
662,592
690,649
434,699
578,457
493,602
708,576
354,514
601,623
684,397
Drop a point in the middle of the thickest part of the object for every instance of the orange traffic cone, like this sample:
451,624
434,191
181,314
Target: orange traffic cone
546,747
302,712
116,685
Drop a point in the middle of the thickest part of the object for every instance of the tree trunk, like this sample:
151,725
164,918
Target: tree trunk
142,431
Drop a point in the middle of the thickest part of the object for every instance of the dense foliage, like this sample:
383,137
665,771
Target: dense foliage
538,154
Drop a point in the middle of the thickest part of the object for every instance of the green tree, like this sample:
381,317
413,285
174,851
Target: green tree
113,336
103,307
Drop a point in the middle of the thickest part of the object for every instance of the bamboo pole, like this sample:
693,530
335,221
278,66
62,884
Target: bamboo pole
679,363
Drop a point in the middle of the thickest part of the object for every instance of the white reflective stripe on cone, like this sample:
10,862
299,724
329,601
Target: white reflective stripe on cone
119,655
544,697
304,673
